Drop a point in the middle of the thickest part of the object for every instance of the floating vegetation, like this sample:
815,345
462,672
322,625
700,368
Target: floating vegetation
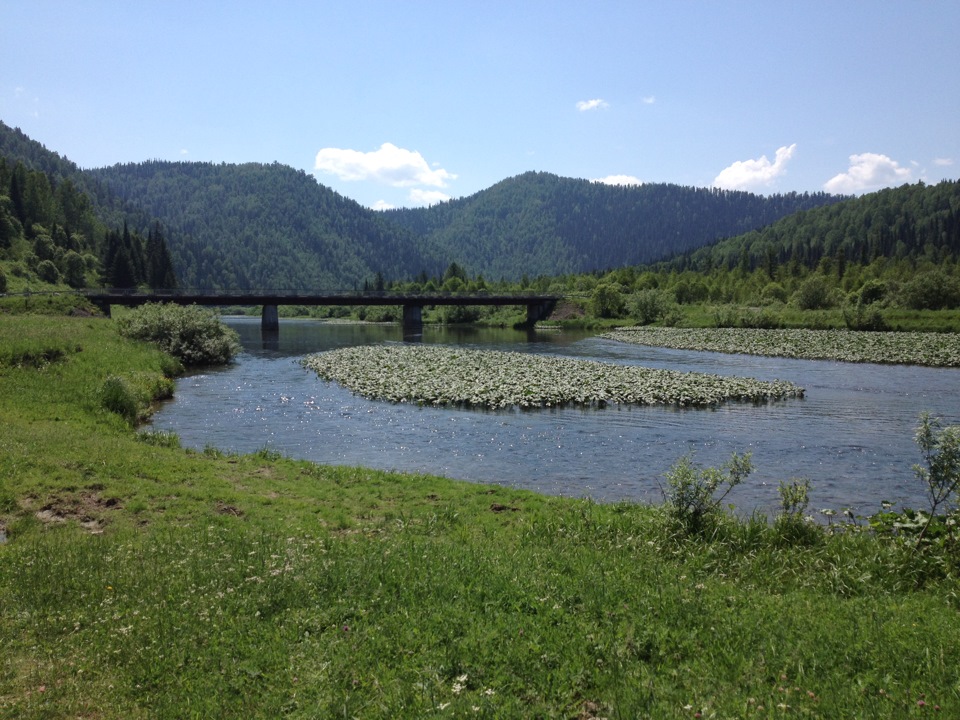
906,348
439,375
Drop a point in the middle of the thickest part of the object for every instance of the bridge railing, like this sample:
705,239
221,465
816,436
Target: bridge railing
293,294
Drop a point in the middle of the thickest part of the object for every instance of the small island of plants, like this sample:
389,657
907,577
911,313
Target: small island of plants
908,348
437,375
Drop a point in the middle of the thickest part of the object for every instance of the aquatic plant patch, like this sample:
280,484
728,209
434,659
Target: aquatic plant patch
907,348
438,375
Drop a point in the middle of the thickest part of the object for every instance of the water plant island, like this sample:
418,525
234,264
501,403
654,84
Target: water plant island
436,375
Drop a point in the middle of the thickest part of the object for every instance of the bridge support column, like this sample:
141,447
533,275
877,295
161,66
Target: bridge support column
539,311
412,320
103,307
270,319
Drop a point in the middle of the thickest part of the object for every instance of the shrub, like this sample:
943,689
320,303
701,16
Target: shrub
118,397
813,294
941,452
131,396
873,291
773,292
3,281
792,525
190,333
694,494
931,291
648,306
859,316
607,301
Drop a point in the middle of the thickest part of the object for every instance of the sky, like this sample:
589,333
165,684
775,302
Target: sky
401,104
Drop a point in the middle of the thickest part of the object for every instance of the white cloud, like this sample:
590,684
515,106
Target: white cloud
596,104
943,162
649,100
868,171
427,197
619,180
390,165
755,174
382,205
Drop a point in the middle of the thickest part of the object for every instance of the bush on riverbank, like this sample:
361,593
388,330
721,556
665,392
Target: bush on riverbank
190,333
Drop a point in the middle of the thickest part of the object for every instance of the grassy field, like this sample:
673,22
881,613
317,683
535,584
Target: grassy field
139,579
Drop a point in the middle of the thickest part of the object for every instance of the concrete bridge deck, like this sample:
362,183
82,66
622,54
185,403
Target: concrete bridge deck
539,305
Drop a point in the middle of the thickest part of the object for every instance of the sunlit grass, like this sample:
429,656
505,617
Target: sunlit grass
140,579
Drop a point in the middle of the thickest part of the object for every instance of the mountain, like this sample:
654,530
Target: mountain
53,232
256,226
543,224
911,222
271,227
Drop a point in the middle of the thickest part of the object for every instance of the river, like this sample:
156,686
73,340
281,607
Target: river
851,436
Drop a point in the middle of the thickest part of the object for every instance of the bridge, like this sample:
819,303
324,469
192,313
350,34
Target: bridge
539,305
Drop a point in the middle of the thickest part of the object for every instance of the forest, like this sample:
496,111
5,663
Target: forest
650,254
541,224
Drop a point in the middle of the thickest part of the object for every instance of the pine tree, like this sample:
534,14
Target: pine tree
159,266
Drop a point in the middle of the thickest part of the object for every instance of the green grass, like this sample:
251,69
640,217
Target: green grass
140,579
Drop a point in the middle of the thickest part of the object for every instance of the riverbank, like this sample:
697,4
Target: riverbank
140,579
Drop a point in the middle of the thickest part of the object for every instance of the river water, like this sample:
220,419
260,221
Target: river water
851,436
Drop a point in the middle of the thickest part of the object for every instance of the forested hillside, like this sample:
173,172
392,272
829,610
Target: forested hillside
542,224
53,233
911,222
256,226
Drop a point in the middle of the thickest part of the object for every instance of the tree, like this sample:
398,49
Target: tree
48,272
159,266
74,269
813,294
607,301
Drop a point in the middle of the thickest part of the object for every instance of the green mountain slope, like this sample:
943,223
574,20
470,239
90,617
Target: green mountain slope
911,222
256,226
538,223
53,231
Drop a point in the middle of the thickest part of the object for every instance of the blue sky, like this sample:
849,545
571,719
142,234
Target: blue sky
407,103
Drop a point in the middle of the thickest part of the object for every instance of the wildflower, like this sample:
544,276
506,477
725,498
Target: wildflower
443,706
489,692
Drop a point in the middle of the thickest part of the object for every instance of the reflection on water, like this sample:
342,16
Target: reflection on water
852,435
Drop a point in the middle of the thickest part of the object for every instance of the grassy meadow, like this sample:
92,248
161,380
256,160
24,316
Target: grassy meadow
142,580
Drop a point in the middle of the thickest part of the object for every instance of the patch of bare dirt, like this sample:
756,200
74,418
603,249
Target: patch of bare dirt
86,507
566,311
226,509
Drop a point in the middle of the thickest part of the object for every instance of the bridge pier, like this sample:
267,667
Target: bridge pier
412,319
539,311
270,319
103,306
